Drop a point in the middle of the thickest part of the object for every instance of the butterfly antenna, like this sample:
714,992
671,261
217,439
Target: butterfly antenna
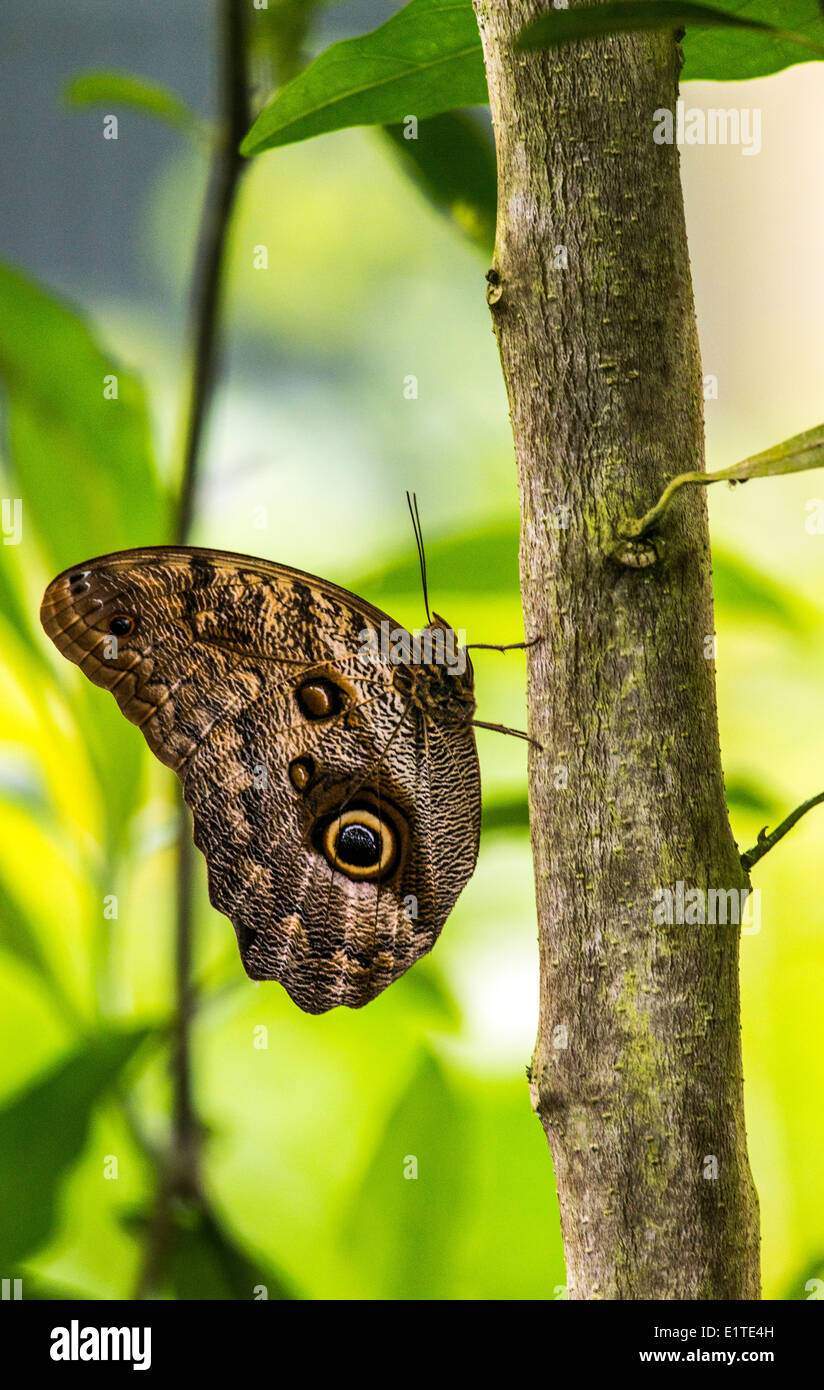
412,503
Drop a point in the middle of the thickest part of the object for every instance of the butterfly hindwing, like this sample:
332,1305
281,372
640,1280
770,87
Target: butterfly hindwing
338,818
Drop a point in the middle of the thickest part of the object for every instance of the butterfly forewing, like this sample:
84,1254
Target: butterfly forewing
339,819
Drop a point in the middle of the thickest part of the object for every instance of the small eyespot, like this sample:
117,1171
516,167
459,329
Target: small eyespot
121,625
301,773
319,698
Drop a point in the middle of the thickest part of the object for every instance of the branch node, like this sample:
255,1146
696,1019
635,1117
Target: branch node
494,288
766,842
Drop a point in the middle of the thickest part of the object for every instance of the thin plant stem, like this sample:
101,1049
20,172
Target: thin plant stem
179,1179
227,166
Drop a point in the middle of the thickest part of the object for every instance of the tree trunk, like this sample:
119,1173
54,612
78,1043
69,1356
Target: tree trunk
637,1069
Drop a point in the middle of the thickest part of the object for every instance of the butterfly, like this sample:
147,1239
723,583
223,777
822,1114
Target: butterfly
328,756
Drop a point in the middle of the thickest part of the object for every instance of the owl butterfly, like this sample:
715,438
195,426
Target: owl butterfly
334,788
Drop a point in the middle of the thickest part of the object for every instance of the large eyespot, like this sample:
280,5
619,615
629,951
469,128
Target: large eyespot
361,843
121,625
319,698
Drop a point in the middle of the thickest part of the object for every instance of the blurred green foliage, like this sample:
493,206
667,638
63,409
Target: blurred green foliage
124,89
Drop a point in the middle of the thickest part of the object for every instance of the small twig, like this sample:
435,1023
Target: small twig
796,455
765,842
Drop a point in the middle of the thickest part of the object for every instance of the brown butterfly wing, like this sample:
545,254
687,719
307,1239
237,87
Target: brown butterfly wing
221,661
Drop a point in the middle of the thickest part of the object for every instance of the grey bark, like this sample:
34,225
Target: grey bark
637,1073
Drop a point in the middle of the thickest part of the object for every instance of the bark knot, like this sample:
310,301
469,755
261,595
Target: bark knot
494,288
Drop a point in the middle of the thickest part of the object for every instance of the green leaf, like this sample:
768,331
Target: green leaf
633,16
18,935
124,89
452,161
83,467
43,1130
83,464
205,1262
719,55
429,1126
796,455
424,60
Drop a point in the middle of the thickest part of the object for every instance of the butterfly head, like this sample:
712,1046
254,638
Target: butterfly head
446,651
439,680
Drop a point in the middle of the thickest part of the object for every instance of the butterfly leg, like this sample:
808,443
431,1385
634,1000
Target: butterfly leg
502,729
507,647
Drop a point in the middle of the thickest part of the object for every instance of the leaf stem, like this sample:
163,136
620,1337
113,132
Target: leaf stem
796,455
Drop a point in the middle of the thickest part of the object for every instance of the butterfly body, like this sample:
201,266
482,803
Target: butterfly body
335,790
